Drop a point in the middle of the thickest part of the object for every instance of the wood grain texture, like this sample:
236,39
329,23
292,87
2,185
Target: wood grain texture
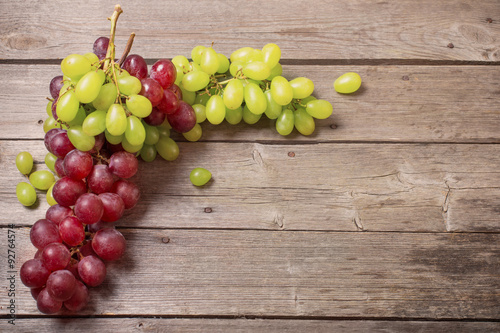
435,104
342,187
109,325
324,30
293,273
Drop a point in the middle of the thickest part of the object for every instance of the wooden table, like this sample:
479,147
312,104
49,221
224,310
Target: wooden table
385,220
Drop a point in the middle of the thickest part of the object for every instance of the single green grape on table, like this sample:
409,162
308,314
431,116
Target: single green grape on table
24,162
347,83
26,194
200,176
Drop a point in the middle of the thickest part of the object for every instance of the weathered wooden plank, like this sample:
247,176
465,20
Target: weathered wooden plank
325,30
435,104
342,187
292,273
109,325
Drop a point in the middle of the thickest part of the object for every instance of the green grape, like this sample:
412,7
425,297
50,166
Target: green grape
273,109
194,67
281,90
163,131
223,63
241,54
113,139
179,75
66,87
194,134
255,99
50,161
130,147
148,153
306,100
200,112
272,54
234,116
166,124
26,194
201,98
167,148
249,117
67,106
285,122
319,108
197,52
233,94
42,179
79,139
187,96
93,58
120,72
196,80
48,108
302,87
24,162
95,123
89,86
200,176
215,110
235,67
304,122
257,70
51,123
129,85
209,61
75,66
347,83
116,120
139,105
275,71
152,134
181,62
50,197
255,55
135,132
79,118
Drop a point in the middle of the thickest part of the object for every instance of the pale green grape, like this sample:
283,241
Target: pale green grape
181,62
273,109
50,197
249,117
257,70
281,90
241,54
24,162
113,139
304,122
200,176
75,66
302,87
197,52
135,132
285,122
42,179
152,134
48,108
50,161
215,110
234,116
272,54
88,87
236,67
130,147
275,71
223,63
179,75
106,98
319,108
196,80
148,153
66,86
255,55
139,105
255,99
347,83
233,94
194,67
194,134
79,139
79,118
67,106
209,61
129,85
93,58
116,120
26,194
95,123
200,112
202,98
51,123
306,100
187,96
167,148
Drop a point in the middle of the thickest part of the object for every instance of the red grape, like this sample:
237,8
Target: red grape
100,179
89,208
184,119
93,228
92,271
109,244
155,118
60,144
175,88
59,167
57,213
169,102
72,231
123,164
79,299
34,274
164,72
61,285
35,292
67,190
87,250
48,136
152,90
43,233
128,191
55,256
77,164
136,66
113,207
46,304
55,86
101,47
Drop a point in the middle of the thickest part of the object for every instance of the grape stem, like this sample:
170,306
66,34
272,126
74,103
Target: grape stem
110,53
127,49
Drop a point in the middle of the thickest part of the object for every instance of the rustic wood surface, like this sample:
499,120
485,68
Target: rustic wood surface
385,220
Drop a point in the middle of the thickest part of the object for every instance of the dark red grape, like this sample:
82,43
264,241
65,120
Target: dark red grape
48,136
67,190
34,274
136,66
61,285
114,148
109,244
79,299
35,292
128,191
77,164
53,108
169,103
89,208
175,88
164,72
60,144
155,118
99,142
73,268
100,179
43,233
59,167
46,304
92,271
100,47
123,164
152,90
55,86
72,231
57,213
55,256
87,250
184,119
113,207
93,228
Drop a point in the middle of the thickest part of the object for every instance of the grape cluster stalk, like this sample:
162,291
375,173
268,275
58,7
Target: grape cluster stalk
104,114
